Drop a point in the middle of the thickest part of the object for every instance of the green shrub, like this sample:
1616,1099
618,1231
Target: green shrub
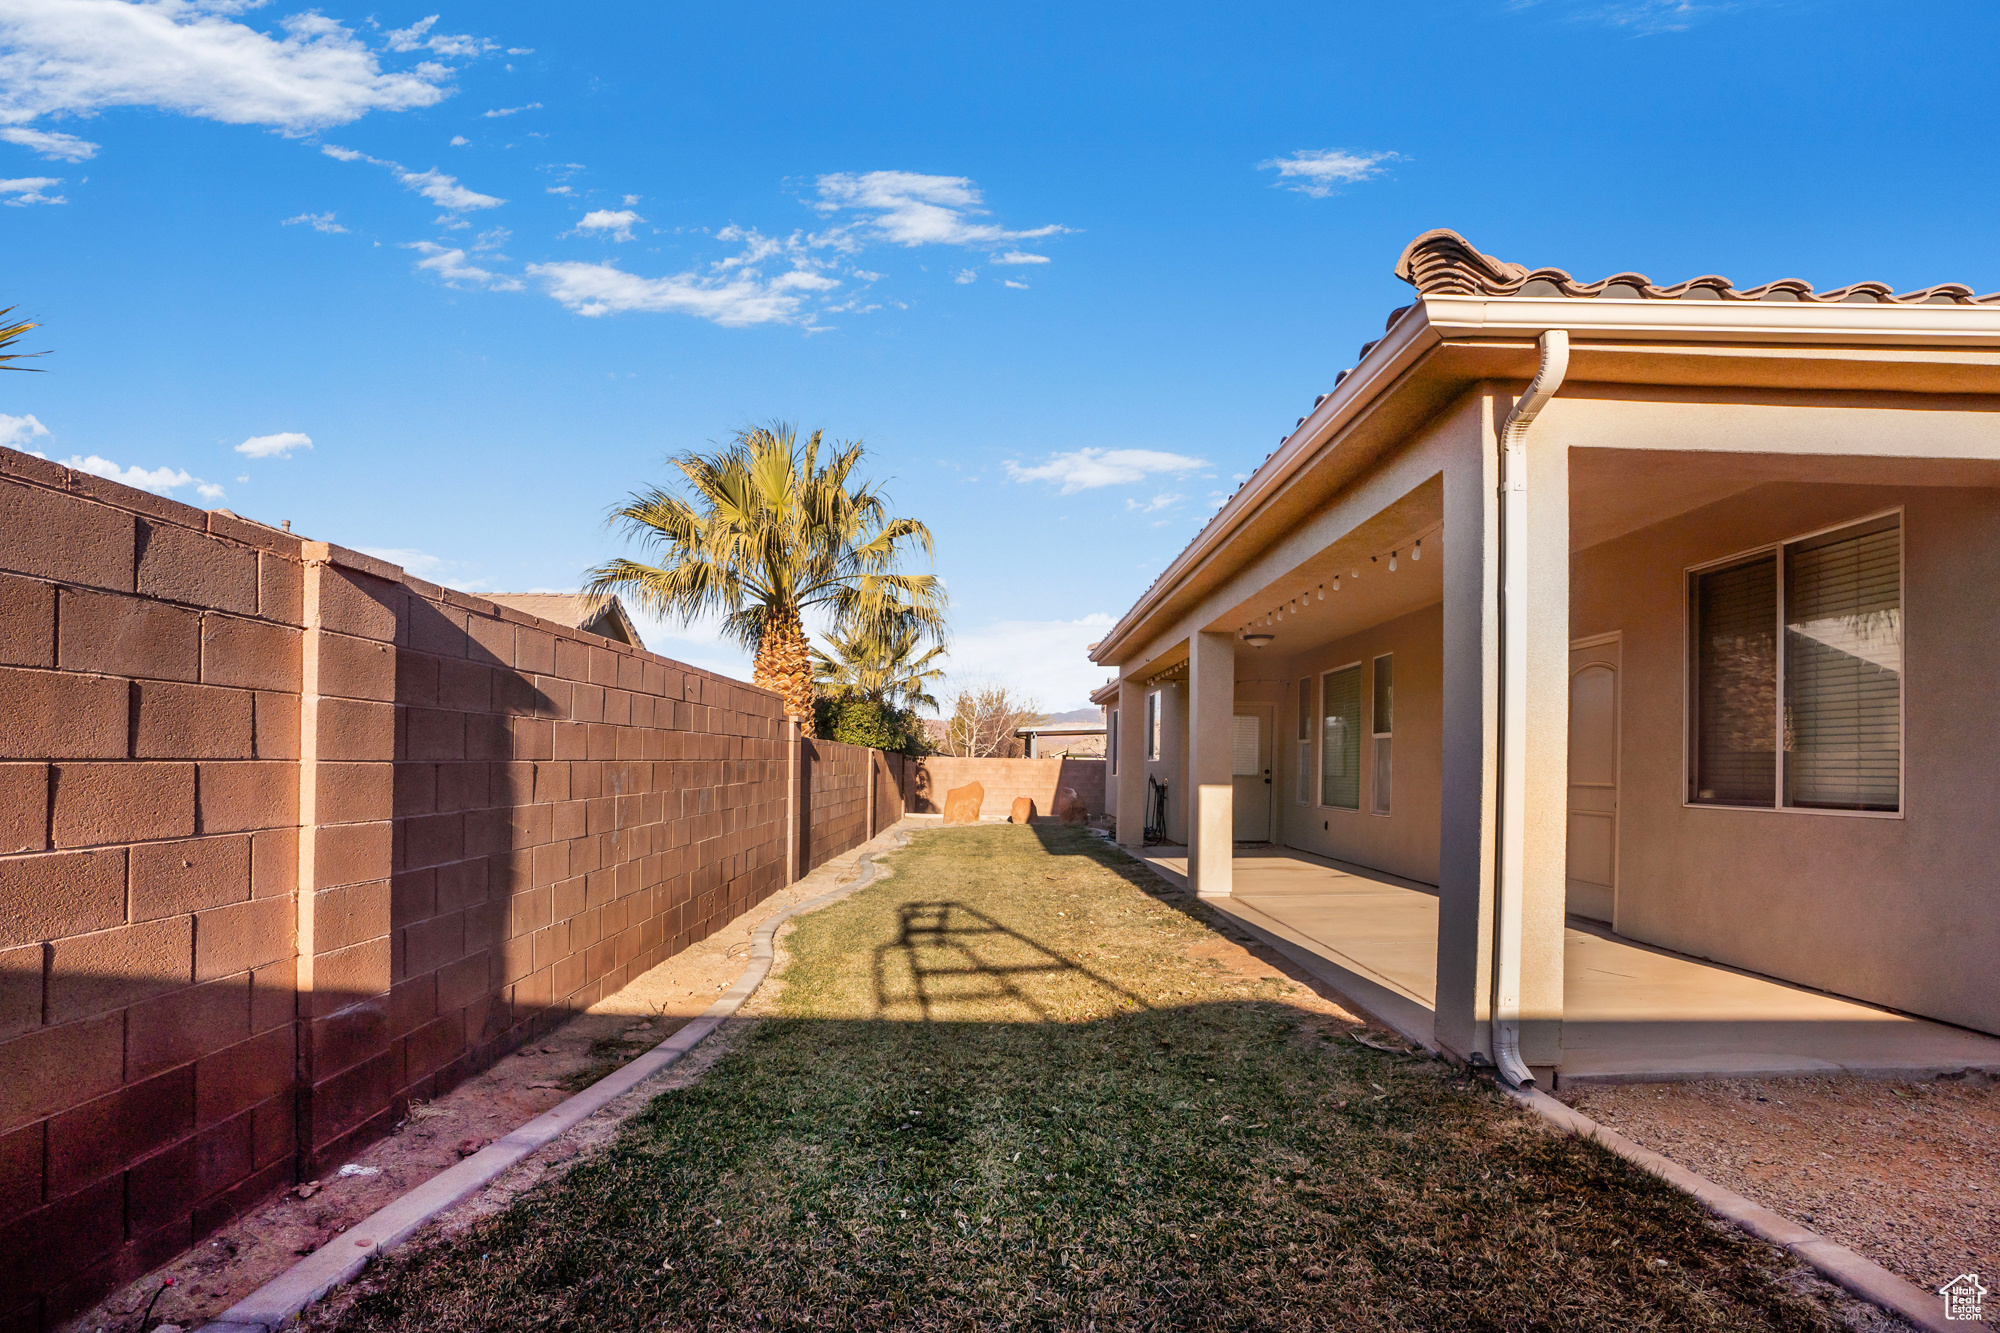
866,722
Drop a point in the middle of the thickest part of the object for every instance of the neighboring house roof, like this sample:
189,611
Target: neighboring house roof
1443,263
594,615
1062,729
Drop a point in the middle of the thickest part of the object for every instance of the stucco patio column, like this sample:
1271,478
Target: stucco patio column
1212,816
1472,805
1545,880
1131,777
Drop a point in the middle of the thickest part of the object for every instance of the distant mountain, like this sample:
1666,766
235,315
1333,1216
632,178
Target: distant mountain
1077,715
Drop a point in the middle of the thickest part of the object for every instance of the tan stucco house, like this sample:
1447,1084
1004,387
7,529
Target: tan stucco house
1608,674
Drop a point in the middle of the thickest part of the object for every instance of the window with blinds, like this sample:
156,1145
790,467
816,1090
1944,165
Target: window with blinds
1735,612
1810,719
1384,724
1844,668
1302,793
1340,739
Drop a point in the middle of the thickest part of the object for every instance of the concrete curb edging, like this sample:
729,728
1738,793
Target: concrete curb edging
1850,1271
342,1258
1862,1277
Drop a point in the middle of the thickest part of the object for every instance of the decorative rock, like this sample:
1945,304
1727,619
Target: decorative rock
1024,809
1070,808
961,804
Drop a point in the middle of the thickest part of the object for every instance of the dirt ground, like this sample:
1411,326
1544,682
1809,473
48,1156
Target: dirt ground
438,1134
1907,1174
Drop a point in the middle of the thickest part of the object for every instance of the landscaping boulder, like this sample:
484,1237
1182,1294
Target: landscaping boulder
1024,809
961,804
1070,808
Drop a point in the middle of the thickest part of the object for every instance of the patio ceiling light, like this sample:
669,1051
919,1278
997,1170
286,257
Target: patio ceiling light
1258,640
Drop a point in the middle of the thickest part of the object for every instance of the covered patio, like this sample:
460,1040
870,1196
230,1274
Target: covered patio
1637,640
1631,1012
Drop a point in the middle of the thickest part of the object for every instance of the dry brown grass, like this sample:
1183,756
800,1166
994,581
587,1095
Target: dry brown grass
996,1091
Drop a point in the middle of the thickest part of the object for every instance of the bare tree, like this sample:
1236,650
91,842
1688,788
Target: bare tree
982,721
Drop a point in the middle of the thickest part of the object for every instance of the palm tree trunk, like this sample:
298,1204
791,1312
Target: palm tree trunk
784,664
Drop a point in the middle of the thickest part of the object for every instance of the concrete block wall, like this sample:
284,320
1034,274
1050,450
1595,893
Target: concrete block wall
1004,780
289,837
150,669
838,798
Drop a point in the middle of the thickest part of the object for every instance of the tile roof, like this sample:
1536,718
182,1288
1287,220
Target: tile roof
1440,262
1443,263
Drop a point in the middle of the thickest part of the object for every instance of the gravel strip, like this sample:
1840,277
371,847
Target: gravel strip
1907,1174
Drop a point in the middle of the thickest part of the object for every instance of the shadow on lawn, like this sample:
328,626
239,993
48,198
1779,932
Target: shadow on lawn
957,931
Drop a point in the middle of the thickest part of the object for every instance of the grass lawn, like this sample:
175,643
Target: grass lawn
1009,1087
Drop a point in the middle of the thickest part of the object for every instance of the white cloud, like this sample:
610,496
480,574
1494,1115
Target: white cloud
280,445
1020,257
452,266
419,37
317,221
631,199
732,299
208,490
1315,171
159,480
15,432
965,275
49,143
28,190
498,112
459,141
560,189
1088,469
907,208
1045,660
1164,500
1644,17
803,280
1017,286
617,223
82,56
445,191
434,185
492,239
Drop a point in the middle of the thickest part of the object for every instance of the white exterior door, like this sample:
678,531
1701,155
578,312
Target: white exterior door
1593,778
1250,774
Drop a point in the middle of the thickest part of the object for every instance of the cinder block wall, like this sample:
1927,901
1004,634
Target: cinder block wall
150,659
838,807
288,837
1004,780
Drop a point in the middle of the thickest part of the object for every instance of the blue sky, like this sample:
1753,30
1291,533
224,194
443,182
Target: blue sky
1070,271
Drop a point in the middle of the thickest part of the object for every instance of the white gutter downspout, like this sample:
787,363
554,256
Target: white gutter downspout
1512,876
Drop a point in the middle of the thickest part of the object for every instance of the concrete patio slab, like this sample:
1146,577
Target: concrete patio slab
1632,1013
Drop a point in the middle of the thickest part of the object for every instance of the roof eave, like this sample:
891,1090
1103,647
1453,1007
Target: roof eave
1434,319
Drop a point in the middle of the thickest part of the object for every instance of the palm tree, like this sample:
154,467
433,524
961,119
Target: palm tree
879,668
11,334
768,532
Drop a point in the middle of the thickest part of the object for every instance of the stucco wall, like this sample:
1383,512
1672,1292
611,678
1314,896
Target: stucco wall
1004,779
1901,911
1405,841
